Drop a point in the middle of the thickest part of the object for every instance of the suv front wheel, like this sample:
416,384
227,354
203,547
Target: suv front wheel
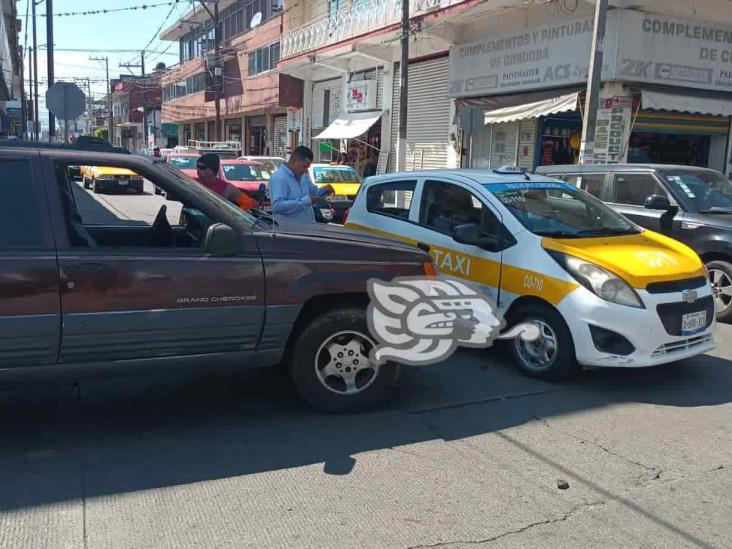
720,275
330,364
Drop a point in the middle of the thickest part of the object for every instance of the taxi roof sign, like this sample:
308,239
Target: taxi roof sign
512,170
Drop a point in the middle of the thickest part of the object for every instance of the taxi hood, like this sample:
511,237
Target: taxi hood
639,259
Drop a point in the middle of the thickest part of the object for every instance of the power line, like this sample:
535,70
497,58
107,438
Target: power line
114,10
92,50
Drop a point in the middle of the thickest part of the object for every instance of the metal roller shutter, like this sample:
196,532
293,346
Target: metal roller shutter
279,136
380,88
256,121
319,110
428,120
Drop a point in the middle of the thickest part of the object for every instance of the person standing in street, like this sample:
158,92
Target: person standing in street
208,166
291,190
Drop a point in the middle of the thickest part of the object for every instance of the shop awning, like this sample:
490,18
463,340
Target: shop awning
544,107
664,101
350,126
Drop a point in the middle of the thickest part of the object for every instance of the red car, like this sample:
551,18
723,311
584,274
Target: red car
245,175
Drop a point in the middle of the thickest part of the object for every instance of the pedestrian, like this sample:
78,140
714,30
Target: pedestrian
208,166
292,191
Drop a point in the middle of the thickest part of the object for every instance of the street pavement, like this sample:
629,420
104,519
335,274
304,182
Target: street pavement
469,453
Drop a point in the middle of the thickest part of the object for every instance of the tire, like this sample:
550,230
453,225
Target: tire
562,362
720,274
86,183
95,187
370,387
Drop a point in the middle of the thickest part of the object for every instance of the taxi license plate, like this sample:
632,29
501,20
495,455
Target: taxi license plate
693,322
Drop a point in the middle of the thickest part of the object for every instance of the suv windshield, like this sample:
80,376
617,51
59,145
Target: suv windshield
701,191
560,210
183,162
335,175
245,172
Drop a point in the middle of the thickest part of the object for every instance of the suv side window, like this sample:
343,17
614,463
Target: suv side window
393,199
19,224
446,206
589,182
633,189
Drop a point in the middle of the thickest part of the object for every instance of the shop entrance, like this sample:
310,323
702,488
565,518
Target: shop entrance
686,150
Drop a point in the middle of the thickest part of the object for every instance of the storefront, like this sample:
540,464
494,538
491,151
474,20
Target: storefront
232,130
279,136
257,135
356,129
671,106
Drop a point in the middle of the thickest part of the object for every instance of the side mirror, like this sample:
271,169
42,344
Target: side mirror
222,240
657,202
467,234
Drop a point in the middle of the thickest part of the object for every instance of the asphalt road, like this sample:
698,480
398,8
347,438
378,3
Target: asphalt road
468,453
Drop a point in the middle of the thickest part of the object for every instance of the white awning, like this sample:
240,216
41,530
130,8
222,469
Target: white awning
545,107
349,126
662,101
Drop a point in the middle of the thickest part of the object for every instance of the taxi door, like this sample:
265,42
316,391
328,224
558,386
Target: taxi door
445,205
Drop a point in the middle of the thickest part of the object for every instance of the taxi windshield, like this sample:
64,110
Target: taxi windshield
335,175
560,210
245,172
701,191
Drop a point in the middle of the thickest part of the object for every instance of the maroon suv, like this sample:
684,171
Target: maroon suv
216,285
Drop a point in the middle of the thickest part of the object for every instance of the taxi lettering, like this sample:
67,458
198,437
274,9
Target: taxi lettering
458,264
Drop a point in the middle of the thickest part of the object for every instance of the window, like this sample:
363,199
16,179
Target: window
592,182
99,215
19,222
264,59
392,199
633,189
446,206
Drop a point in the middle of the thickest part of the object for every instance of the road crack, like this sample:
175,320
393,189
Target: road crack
566,516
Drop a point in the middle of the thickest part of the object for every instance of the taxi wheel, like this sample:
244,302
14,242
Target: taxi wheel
330,366
720,275
550,357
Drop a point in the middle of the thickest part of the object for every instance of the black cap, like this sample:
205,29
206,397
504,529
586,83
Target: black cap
209,160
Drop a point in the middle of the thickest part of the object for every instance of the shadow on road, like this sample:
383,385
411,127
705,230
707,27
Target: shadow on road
127,434
94,212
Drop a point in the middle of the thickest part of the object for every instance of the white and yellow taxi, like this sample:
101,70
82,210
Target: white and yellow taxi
602,290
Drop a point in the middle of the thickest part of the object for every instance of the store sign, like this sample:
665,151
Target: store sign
612,130
674,52
545,57
361,96
294,120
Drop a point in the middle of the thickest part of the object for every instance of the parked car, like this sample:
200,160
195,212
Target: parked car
223,289
185,162
272,163
602,290
345,181
701,198
245,175
104,179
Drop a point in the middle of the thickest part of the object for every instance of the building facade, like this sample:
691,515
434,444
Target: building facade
135,100
11,71
253,96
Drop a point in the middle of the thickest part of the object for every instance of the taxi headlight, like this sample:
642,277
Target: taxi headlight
336,197
601,282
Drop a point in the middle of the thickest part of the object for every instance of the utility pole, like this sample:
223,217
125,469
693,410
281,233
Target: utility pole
593,83
36,118
140,66
110,131
403,90
218,71
49,46
31,119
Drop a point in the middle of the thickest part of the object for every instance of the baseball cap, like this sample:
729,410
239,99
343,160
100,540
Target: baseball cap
209,160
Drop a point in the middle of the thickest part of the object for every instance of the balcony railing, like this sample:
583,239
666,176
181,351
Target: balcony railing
359,19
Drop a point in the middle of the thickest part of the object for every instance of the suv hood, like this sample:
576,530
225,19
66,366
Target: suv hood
330,232
639,259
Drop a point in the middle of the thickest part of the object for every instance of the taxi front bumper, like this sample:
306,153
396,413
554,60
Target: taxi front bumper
654,332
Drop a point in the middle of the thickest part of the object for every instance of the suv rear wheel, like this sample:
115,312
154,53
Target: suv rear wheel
720,275
550,357
330,364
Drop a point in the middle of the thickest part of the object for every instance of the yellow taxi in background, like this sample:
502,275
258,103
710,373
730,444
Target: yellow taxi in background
345,182
602,290
103,179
